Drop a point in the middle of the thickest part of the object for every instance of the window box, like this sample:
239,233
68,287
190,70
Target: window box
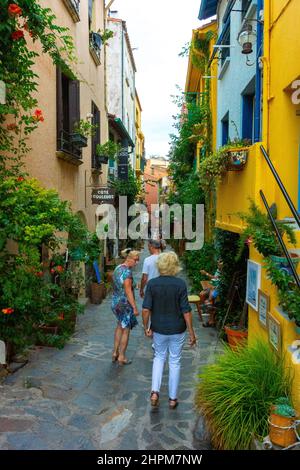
78,140
73,7
95,47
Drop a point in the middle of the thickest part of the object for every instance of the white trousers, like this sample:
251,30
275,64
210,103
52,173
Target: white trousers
162,345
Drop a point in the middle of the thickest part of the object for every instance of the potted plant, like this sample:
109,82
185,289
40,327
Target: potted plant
237,151
282,423
82,130
236,335
107,151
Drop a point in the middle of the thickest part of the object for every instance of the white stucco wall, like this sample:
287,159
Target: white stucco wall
237,75
121,79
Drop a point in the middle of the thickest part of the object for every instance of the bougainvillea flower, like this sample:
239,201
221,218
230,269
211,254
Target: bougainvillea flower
16,35
7,311
61,316
52,271
39,274
20,178
59,269
14,9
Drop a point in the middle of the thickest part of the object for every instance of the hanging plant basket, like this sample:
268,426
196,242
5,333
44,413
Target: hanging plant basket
78,140
282,262
102,159
237,158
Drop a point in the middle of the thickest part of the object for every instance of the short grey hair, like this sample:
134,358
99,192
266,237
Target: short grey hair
154,243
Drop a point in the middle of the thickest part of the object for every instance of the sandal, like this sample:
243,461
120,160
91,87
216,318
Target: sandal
125,362
173,403
114,357
154,398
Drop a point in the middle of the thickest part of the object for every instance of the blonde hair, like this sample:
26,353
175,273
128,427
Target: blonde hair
168,264
129,253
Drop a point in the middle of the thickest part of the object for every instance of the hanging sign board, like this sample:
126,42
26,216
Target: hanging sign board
103,196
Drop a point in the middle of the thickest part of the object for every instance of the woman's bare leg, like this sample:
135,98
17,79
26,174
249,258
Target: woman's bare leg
117,339
123,344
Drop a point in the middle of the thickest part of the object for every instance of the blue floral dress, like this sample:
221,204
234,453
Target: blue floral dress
120,306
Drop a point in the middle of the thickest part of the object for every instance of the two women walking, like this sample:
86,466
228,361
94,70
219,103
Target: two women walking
166,317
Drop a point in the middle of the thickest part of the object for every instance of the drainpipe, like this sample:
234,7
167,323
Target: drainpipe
258,77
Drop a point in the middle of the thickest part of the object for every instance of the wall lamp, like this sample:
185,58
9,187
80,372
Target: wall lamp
246,38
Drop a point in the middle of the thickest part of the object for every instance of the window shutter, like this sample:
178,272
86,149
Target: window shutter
74,103
96,136
59,107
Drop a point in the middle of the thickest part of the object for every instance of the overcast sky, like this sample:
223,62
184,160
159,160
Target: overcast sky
159,29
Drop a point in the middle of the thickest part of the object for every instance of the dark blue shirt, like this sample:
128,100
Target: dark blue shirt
166,297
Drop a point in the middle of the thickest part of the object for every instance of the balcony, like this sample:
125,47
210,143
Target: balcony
237,187
68,149
95,47
73,7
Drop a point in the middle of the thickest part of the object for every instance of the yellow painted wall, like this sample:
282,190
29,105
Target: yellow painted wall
139,136
284,68
287,326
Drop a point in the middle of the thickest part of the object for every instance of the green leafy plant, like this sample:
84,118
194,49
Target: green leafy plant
85,128
106,35
110,149
259,231
235,394
284,410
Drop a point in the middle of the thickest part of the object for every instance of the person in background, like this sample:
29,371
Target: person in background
166,306
124,305
150,270
211,293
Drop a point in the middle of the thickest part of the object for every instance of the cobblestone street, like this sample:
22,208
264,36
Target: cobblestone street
76,398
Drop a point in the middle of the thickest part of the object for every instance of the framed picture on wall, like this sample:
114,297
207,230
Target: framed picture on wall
253,283
263,308
274,331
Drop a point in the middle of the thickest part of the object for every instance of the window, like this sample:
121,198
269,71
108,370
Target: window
225,129
225,51
245,7
248,116
73,7
96,136
68,112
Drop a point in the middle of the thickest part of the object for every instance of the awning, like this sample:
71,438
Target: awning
208,8
118,125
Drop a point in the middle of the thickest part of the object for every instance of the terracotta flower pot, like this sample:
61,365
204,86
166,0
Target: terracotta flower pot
281,430
235,335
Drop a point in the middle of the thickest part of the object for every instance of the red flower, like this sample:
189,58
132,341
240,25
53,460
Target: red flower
20,178
38,115
59,269
7,311
16,35
52,271
14,9
61,316
39,274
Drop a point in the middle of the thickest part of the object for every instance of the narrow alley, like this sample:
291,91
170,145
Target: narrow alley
76,398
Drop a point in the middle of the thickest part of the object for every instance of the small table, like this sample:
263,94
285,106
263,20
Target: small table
195,299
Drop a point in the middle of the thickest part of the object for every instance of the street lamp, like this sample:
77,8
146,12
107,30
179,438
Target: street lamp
247,38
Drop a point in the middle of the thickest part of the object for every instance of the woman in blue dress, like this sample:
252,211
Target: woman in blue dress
124,305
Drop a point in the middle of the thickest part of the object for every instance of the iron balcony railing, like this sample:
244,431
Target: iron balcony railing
281,186
284,248
65,144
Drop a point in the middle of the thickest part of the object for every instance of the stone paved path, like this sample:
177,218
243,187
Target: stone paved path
76,398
